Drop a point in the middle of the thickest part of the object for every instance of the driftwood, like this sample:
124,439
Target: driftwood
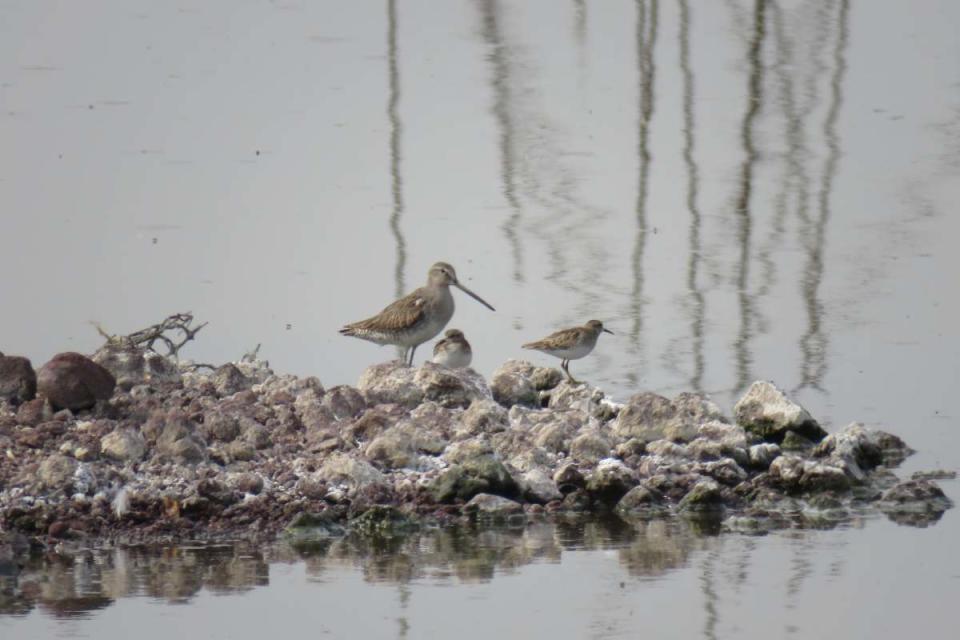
173,333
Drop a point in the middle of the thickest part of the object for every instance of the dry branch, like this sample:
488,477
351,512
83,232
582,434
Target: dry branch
174,332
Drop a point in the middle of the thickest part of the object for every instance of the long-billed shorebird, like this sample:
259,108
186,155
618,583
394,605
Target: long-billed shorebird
453,351
570,344
416,317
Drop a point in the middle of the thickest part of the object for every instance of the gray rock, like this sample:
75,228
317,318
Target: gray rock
391,383
240,451
84,479
725,471
590,447
703,449
610,481
858,450
511,384
430,425
566,395
793,441
247,482
568,478
374,422
936,474
450,387
123,445
632,448
794,473
761,455
648,416
74,381
554,436
383,522
915,502
343,402
765,411
315,416
219,426
218,492
481,474
355,473
228,380
463,450
57,473
641,501
483,416
545,378
492,507
705,496
692,411
730,436
393,449
255,433
645,416
18,381
536,485
426,435
131,366
174,436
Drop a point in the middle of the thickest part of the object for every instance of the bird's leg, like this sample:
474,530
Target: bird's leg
565,365
412,351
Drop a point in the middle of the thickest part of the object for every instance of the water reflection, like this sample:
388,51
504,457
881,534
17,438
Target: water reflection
68,586
742,204
813,344
396,155
646,36
500,79
697,303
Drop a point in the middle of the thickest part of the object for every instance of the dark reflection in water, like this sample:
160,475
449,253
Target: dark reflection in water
91,580
500,81
813,344
697,304
709,589
70,586
646,41
396,155
580,23
742,204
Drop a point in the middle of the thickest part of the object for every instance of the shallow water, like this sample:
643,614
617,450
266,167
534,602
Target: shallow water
565,580
739,190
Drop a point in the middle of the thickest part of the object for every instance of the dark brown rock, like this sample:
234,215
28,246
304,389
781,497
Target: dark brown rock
18,382
74,381
229,380
35,411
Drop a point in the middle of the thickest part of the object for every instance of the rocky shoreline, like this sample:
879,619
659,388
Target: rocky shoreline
130,446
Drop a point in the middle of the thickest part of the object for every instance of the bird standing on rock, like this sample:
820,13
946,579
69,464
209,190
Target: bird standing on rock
453,351
570,344
416,317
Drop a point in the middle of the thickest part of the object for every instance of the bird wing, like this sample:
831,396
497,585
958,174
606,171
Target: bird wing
398,315
562,337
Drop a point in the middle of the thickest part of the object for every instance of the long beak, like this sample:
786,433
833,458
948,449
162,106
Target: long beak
608,331
473,295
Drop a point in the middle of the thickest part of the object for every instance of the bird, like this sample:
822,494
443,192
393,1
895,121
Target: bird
416,317
453,351
570,344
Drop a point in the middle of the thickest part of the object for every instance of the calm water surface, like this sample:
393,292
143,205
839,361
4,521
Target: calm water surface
740,190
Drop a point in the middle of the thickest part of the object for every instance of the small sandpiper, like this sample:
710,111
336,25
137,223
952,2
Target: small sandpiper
416,317
453,351
570,344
